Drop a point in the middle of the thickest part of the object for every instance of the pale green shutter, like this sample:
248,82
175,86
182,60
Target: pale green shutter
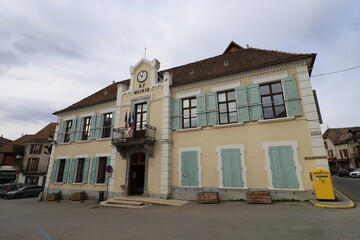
66,170
99,121
242,104
93,170
283,169
201,110
231,168
212,115
108,160
72,170
291,96
78,129
255,102
86,171
194,169
73,130
112,123
185,172
92,126
60,136
54,171
176,106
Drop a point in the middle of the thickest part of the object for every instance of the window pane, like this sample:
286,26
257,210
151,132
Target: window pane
194,111
278,99
232,106
223,118
268,113
280,111
276,88
144,107
193,102
266,101
186,112
186,123
264,90
186,103
222,108
194,122
138,108
221,97
233,117
231,95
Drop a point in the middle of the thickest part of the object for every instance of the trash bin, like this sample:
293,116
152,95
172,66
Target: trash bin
322,184
101,196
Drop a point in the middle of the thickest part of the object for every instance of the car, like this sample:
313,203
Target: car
28,191
345,172
7,187
355,173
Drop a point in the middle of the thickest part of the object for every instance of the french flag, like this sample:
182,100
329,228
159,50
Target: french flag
126,124
130,122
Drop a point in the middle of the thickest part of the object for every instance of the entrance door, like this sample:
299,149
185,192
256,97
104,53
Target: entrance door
140,119
137,173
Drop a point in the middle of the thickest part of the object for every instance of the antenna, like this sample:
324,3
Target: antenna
145,51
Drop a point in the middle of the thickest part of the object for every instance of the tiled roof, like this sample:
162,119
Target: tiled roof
44,133
342,135
234,59
4,141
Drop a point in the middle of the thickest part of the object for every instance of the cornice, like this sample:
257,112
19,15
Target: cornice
234,76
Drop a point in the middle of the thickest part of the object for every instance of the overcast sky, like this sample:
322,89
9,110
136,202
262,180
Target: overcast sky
54,53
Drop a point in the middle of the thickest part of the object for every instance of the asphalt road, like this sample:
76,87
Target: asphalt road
348,186
22,219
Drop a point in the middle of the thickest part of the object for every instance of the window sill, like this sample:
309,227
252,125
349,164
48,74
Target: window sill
84,141
234,188
272,120
189,129
288,189
229,125
58,183
99,184
103,139
78,183
194,187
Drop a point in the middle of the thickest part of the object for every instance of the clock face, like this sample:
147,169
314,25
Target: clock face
142,76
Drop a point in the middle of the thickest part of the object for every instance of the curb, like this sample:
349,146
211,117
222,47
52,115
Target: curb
350,205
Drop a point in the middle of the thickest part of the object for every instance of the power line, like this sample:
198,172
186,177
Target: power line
348,69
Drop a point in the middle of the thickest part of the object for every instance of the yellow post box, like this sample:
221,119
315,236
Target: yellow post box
322,184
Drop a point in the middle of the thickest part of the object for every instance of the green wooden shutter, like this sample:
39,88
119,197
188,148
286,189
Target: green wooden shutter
73,130
93,170
231,168
60,136
86,170
176,106
255,102
54,171
72,170
108,160
66,170
201,110
78,129
242,104
194,169
112,123
185,169
92,127
283,169
291,96
98,125
212,115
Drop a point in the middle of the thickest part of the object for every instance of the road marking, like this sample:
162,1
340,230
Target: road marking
45,233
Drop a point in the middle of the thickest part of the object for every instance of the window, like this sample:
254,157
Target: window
86,128
68,125
33,180
272,100
326,145
344,153
227,107
101,170
32,164
61,168
106,130
80,170
189,112
35,148
330,153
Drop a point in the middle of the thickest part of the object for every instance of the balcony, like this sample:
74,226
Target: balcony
34,170
126,139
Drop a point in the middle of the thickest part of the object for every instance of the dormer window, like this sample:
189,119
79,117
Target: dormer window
226,62
192,71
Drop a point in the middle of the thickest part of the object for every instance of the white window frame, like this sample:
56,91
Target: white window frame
241,147
191,149
299,170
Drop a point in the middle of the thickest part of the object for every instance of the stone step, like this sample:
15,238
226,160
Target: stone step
156,201
105,204
122,202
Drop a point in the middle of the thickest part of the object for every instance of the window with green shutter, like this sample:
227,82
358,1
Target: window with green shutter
292,99
255,106
54,170
212,113
190,112
283,168
175,118
189,168
231,168
242,104
272,100
93,170
86,171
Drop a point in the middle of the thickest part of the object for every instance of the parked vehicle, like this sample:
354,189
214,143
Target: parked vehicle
28,191
8,187
355,173
345,172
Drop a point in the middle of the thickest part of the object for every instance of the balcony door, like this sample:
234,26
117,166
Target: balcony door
140,119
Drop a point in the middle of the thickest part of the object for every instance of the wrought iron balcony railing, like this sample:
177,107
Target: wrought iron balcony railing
131,136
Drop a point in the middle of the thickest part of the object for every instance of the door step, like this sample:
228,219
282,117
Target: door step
116,205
